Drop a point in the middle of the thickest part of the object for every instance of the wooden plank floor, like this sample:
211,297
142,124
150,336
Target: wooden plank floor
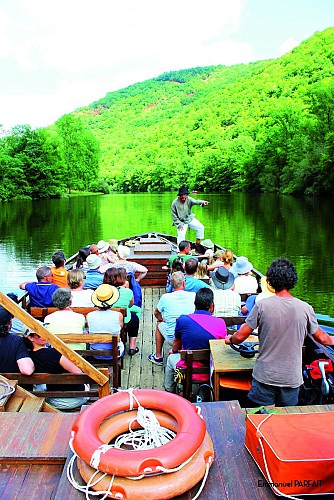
138,371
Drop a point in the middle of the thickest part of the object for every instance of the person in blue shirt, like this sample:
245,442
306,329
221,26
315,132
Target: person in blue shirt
94,277
194,331
40,293
192,284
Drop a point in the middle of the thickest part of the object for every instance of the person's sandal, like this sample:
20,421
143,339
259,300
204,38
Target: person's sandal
134,351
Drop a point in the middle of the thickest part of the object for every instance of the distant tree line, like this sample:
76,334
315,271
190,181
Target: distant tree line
260,127
45,163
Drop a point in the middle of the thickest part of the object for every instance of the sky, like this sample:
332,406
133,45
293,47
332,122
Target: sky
59,55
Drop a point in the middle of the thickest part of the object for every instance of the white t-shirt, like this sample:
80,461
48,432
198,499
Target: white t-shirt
82,298
66,321
245,283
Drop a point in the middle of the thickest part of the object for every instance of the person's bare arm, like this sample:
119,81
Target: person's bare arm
120,319
26,366
240,335
68,365
158,315
323,338
141,271
23,285
177,345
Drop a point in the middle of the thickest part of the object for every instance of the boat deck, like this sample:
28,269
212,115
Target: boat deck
138,371
40,473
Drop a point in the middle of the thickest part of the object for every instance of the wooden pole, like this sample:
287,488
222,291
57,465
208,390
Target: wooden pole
56,342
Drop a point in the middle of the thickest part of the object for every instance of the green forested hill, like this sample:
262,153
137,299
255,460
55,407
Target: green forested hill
264,126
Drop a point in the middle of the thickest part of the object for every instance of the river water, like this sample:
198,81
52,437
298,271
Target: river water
260,226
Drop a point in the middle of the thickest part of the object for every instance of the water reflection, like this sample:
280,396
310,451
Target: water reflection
261,226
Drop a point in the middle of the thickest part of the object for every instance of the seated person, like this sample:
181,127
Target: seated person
105,320
267,291
49,360
58,271
40,293
14,356
244,281
79,296
17,325
94,276
177,265
193,284
94,249
123,252
202,269
194,331
105,254
227,300
65,320
117,278
169,308
184,250
222,258
80,262
208,246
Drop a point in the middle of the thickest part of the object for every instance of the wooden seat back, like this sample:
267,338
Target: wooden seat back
41,312
231,321
189,356
113,365
60,378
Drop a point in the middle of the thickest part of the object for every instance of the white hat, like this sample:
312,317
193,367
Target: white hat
242,265
93,261
102,246
123,251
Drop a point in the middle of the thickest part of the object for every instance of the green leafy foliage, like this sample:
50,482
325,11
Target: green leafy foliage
265,126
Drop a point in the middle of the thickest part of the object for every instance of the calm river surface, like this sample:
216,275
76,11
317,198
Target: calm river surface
260,226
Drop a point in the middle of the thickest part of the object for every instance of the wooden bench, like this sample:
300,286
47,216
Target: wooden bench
113,365
60,378
41,312
97,376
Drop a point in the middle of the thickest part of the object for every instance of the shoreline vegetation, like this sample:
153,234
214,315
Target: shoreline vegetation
266,126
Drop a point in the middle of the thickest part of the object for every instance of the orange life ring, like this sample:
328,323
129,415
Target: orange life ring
189,437
160,487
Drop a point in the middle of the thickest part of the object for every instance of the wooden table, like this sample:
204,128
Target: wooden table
225,360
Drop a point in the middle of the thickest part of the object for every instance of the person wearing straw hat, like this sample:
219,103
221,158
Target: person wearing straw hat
183,217
105,320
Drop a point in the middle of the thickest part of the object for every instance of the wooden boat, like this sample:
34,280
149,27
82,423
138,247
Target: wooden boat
34,459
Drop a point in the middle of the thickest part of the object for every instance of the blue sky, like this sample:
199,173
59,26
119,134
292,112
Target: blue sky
58,55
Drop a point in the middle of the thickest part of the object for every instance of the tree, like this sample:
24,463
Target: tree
80,152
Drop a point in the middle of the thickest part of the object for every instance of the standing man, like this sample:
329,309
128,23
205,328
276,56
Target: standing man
283,322
183,217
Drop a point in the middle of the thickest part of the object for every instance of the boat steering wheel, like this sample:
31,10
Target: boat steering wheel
246,349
